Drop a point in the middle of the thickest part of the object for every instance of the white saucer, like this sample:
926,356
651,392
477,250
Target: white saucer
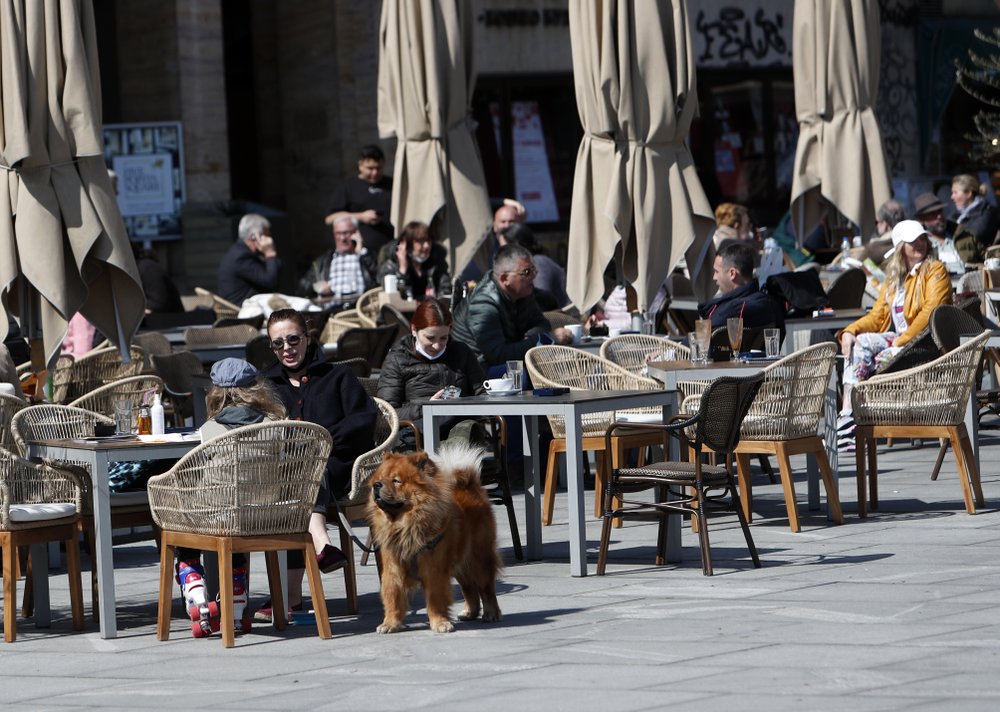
511,392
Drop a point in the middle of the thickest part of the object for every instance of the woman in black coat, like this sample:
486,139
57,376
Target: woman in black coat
419,366
420,265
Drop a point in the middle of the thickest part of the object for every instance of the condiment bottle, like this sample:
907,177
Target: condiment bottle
156,413
145,426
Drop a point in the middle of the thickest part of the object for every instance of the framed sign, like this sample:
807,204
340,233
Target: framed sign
148,159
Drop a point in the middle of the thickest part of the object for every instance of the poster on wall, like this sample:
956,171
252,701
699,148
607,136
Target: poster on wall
532,177
148,159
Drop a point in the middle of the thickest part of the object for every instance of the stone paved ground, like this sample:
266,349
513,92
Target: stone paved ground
899,611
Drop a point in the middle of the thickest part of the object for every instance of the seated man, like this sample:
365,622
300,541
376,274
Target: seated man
739,293
343,273
251,266
501,320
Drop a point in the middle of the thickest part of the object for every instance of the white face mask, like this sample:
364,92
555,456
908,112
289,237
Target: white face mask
419,259
420,350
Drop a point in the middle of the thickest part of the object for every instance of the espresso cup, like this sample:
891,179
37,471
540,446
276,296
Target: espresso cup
576,331
498,384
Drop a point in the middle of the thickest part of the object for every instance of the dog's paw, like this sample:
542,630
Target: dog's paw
389,627
491,616
444,626
468,615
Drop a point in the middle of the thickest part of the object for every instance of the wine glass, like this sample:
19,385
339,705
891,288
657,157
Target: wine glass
735,327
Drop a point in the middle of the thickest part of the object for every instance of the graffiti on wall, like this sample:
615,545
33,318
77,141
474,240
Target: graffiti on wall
755,34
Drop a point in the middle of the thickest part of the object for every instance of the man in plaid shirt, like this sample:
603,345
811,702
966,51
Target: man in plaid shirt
344,272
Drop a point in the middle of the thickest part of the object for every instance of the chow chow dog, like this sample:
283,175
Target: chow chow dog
431,520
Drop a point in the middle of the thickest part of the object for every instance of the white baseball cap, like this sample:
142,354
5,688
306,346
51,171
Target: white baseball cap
905,231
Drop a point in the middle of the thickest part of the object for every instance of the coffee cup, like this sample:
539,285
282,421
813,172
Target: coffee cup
993,263
390,283
498,384
576,331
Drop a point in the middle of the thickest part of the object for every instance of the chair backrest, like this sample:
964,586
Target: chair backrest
220,336
257,480
260,353
176,370
724,405
386,434
49,421
949,324
360,366
72,379
337,324
222,307
790,402
254,321
152,342
630,351
367,307
101,400
9,405
848,289
176,320
371,344
389,314
917,351
563,366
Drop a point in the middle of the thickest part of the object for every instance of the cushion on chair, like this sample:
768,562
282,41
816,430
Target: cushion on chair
673,471
41,512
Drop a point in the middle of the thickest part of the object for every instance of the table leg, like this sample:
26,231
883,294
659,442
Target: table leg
532,488
574,482
102,541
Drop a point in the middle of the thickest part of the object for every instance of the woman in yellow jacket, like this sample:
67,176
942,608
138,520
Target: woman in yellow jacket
915,284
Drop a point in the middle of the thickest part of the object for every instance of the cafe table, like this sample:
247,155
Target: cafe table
797,331
99,453
670,373
571,407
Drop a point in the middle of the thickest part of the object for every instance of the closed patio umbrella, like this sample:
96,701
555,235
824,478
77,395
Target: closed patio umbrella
839,160
63,246
425,81
635,188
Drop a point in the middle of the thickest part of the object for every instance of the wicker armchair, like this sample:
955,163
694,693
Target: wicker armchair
847,291
152,342
222,307
8,406
367,307
177,370
632,351
352,507
38,504
371,344
784,421
101,400
562,366
251,489
926,401
219,336
337,324
716,427
73,378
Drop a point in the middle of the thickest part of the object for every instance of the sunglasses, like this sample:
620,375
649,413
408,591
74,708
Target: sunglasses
293,340
526,272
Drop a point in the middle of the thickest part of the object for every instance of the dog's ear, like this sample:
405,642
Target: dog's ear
422,461
390,455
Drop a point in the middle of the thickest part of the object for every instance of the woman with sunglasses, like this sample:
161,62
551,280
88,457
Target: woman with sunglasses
328,394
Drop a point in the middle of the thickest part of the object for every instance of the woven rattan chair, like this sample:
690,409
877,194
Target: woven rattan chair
8,406
73,378
784,421
59,422
352,507
716,427
256,321
177,370
848,290
260,353
388,314
370,344
337,324
101,400
251,489
152,342
633,351
367,307
38,505
926,401
222,307
562,366
219,336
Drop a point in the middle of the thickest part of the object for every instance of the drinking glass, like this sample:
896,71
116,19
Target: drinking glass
514,371
734,325
772,342
703,335
123,417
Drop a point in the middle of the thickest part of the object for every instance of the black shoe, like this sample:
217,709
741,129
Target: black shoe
331,559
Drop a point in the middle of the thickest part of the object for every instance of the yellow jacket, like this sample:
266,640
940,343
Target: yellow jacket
928,288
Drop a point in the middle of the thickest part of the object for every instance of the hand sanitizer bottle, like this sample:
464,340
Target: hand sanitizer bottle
156,413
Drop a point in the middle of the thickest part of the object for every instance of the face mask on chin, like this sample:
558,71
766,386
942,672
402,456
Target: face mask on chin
420,350
419,259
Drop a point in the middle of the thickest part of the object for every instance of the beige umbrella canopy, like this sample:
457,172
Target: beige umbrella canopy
635,188
839,161
63,246
425,81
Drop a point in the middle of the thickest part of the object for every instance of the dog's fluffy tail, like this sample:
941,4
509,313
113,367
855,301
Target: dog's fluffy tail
462,460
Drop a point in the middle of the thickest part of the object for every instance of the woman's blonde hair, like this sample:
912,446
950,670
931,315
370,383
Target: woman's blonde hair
731,215
969,183
895,273
259,396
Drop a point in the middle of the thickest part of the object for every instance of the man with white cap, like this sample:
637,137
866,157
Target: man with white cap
914,285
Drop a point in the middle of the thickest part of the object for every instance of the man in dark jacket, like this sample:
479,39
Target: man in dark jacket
251,266
740,294
343,273
500,320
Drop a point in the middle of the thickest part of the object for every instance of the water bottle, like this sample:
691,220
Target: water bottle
156,414
845,249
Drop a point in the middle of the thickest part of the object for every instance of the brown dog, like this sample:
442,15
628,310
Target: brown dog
432,520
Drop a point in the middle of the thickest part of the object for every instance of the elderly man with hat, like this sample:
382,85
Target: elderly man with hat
915,284
929,211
